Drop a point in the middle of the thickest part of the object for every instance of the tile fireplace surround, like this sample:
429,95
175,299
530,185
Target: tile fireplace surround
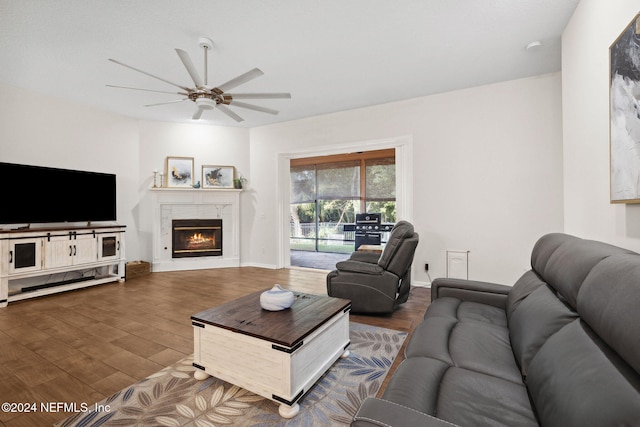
179,203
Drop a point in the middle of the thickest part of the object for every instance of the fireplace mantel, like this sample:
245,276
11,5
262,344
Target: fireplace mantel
186,203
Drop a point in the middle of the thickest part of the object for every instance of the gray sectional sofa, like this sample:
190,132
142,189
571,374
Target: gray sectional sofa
559,348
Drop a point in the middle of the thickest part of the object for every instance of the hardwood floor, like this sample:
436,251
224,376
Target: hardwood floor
85,345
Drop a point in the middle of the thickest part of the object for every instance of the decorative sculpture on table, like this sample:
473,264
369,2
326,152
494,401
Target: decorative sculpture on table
276,299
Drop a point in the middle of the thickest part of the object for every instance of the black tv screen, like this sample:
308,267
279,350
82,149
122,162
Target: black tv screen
36,194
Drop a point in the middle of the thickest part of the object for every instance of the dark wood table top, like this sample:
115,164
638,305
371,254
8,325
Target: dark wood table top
287,327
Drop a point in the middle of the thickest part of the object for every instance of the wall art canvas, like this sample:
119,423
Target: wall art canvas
217,176
624,104
179,172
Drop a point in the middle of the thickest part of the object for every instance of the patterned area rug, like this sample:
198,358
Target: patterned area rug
172,397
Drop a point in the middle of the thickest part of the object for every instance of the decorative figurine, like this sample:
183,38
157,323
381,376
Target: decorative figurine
276,299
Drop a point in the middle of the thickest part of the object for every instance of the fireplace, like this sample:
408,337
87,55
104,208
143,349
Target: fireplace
196,238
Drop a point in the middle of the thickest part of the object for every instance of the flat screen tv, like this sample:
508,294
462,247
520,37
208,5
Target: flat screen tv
36,194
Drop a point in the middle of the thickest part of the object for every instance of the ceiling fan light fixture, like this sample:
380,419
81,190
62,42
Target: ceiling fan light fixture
206,103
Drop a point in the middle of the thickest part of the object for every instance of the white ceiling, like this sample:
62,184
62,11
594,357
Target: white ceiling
331,55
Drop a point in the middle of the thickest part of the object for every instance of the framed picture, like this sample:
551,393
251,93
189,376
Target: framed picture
179,172
217,176
624,121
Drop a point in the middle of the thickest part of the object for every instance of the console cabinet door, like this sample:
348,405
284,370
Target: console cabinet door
84,249
25,255
109,246
71,249
58,251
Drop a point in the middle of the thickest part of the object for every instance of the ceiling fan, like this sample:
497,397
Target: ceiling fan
208,97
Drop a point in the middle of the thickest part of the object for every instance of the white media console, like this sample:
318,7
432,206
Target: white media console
42,261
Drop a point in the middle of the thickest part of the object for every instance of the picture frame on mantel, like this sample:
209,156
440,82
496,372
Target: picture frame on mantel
214,176
179,172
624,122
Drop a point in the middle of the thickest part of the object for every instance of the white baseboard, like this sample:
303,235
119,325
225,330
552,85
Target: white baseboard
258,265
421,284
197,263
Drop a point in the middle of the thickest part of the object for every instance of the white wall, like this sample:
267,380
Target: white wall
208,145
40,130
487,165
45,131
594,26
487,168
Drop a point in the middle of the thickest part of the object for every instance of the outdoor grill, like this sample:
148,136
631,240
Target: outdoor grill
368,229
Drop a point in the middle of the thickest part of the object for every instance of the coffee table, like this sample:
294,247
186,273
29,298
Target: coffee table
276,354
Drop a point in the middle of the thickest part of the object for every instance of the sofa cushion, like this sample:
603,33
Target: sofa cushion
380,412
400,264
473,399
473,311
467,335
416,384
526,284
401,231
458,395
545,247
484,348
432,339
538,317
575,379
564,261
609,302
466,310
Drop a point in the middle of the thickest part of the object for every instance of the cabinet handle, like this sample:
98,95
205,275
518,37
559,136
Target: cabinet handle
118,245
74,250
70,250
10,257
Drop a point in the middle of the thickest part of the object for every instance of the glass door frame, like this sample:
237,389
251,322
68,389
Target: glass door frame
403,146
357,160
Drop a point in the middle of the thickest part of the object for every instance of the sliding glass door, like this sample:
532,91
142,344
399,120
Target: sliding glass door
323,198
380,187
327,193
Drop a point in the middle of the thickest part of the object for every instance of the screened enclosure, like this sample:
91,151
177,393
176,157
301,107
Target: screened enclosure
327,192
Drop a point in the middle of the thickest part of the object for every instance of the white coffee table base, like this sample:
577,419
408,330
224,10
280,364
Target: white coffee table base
278,373
287,411
200,375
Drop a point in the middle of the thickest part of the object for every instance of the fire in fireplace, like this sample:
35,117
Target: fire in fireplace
196,237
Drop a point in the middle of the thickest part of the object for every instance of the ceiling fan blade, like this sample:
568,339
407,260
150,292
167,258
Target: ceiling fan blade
170,102
260,95
241,79
254,107
197,114
229,113
191,69
149,74
148,90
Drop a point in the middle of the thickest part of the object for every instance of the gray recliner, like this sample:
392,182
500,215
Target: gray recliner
377,283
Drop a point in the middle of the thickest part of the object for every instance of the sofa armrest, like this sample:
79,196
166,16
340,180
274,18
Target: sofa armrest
383,413
470,290
359,267
370,257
